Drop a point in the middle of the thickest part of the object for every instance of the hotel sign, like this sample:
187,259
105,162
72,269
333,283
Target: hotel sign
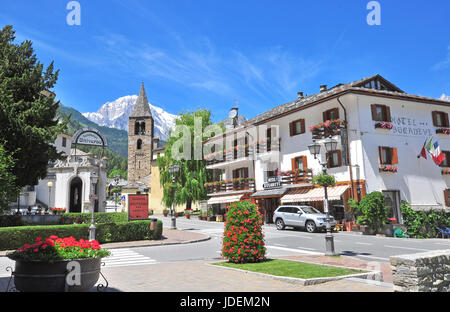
137,207
90,137
272,182
410,126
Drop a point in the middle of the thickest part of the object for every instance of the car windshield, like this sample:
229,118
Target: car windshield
310,209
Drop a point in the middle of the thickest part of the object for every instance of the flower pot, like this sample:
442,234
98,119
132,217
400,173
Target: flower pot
39,276
188,216
165,214
348,226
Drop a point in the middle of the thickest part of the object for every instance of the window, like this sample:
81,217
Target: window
440,119
334,159
136,128
240,173
331,114
388,155
297,127
139,144
300,162
381,113
272,173
64,142
446,161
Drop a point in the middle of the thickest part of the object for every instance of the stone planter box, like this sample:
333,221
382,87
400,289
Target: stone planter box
38,276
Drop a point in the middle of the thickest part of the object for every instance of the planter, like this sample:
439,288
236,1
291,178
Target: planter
38,276
188,216
348,226
211,218
219,218
165,214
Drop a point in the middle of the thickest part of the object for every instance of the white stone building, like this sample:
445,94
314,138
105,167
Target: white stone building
72,181
380,159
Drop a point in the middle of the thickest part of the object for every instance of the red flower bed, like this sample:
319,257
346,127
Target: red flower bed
55,248
243,240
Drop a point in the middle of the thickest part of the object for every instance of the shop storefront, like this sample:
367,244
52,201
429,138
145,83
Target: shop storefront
269,199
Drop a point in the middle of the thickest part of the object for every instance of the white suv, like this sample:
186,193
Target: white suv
306,217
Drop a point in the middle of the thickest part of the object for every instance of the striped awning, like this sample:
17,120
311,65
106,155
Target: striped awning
315,194
270,193
224,199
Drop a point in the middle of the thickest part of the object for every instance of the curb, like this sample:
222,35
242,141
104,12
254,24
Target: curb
162,243
371,275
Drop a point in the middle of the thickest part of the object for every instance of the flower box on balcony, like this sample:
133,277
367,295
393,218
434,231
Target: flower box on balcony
388,168
443,131
384,125
327,128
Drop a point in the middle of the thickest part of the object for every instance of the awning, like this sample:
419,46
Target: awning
315,194
270,193
224,199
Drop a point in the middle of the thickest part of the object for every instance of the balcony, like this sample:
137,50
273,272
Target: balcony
243,152
235,185
293,177
328,128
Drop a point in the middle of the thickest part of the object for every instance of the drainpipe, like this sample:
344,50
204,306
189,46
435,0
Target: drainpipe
348,151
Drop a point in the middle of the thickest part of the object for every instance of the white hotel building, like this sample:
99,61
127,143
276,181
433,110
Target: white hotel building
379,159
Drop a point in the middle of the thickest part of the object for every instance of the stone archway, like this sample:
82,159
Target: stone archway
76,192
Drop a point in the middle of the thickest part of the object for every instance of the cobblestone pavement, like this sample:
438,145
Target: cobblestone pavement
198,276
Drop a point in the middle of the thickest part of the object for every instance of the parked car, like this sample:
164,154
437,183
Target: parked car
305,217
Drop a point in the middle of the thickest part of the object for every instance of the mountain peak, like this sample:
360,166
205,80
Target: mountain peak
116,115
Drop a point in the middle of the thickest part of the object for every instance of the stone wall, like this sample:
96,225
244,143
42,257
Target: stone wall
423,272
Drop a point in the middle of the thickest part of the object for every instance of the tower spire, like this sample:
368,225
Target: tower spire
141,108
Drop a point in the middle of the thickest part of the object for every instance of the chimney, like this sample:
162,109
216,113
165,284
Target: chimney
300,95
323,88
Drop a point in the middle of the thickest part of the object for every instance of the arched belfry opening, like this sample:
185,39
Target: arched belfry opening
139,144
76,189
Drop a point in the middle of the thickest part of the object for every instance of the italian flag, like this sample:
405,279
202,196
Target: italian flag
435,152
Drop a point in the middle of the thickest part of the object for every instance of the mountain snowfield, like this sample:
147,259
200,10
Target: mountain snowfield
115,115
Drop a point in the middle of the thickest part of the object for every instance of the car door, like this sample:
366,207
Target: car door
302,218
296,215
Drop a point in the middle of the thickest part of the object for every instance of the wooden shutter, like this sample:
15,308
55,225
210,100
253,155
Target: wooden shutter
235,174
245,172
327,157
446,120
388,114
336,113
339,164
302,122
325,116
294,164
394,156
380,151
373,108
291,128
434,115
446,198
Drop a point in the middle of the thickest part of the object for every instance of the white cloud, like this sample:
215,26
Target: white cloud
443,64
445,97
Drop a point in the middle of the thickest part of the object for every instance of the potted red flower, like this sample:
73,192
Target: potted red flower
45,265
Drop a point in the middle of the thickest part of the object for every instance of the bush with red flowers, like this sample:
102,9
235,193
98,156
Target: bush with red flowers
55,248
243,239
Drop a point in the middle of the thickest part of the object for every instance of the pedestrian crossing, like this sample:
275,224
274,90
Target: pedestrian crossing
126,257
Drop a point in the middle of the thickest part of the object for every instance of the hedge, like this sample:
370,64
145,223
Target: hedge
14,237
10,220
100,217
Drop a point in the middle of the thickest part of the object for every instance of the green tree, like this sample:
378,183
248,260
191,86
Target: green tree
192,175
372,211
8,189
27,110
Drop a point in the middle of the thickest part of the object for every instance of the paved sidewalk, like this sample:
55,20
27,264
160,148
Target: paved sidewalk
199,276
169,237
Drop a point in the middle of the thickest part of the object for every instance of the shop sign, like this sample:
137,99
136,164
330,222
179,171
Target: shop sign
272,182
137,207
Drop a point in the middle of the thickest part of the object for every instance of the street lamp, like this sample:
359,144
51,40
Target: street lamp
314,148
50,185
173,169
116,181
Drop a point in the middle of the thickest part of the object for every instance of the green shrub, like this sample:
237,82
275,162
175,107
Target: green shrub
324,180
100,217
10,220
243,239
15,237
423,224
372,211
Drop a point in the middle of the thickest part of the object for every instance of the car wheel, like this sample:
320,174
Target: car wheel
310,227
280,224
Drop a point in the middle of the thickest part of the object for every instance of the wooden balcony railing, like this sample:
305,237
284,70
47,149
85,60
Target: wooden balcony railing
242,151
230,186
296,177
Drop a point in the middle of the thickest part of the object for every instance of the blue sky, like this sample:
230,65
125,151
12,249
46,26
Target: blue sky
207,53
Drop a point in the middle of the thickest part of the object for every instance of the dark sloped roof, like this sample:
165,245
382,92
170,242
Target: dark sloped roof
141,108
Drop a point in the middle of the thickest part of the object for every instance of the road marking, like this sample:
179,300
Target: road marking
295,250
363,243
420,249
280,245
126,257
301,247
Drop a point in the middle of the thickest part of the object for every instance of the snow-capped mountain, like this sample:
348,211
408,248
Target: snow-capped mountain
445,97
115,115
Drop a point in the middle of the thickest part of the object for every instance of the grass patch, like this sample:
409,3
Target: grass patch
288,268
